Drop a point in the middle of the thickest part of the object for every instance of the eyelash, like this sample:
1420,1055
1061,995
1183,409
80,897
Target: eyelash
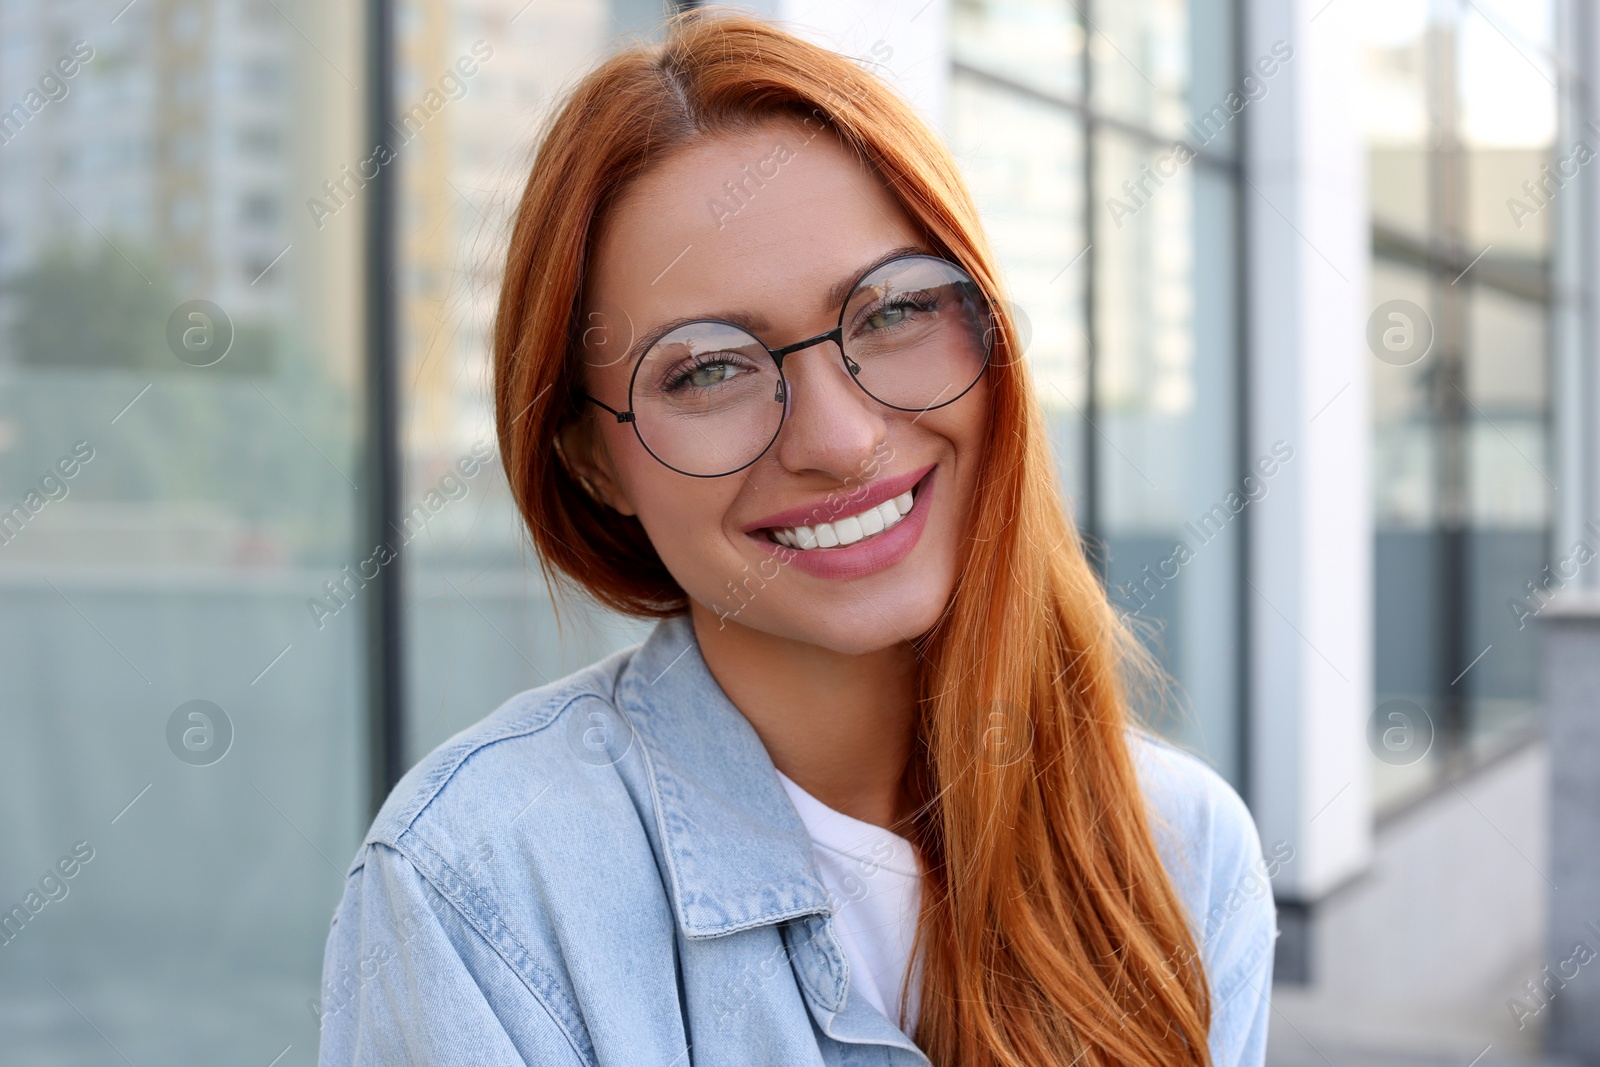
700,361
919,301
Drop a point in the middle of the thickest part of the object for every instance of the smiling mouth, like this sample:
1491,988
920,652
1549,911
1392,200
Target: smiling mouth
848,529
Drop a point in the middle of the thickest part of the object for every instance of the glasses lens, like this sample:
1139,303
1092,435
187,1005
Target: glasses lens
917,332
707,399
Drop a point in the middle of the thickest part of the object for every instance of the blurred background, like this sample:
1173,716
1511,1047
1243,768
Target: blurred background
1311,290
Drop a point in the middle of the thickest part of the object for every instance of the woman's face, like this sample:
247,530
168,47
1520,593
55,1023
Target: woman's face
677,245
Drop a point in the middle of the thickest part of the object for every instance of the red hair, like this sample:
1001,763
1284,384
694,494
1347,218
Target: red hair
1050,933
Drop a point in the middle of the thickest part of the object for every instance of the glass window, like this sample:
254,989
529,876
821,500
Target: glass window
181,626
1140,384
1172,490
1515,172
1394,110
1468,188
1139,63
1039,43
1406,549
479,622
1168,67
1024,162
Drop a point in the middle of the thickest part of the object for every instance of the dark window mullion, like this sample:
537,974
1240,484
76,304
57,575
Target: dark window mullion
385,464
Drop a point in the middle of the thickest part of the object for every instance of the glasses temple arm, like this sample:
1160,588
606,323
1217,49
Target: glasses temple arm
622,416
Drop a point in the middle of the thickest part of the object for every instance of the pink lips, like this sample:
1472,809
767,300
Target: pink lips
865,556
838,503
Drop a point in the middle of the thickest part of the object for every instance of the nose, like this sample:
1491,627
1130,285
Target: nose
830,422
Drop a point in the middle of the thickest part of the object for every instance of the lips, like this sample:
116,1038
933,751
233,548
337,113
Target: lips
868,555
840,502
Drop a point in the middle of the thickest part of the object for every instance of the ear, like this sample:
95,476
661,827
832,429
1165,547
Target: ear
589,462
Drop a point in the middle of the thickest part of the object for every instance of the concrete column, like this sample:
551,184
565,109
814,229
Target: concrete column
1570,674
1309,597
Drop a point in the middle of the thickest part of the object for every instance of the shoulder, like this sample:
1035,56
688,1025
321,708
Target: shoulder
511,861
1212,851
532,756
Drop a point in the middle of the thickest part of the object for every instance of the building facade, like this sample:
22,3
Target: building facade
1308,289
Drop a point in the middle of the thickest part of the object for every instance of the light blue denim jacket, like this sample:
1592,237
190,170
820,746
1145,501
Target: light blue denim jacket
606,871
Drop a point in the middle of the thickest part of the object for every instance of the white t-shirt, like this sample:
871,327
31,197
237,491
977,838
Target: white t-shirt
875,878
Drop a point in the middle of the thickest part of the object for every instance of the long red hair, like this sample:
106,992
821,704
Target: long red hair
1050,933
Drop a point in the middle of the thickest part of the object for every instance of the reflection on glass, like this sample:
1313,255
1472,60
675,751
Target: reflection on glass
1039,43
1508,127
1510,496
1403,483
1405,496
1172,493
1024,163
181,624
476,77
1394,112
1140,59
1468,188
1168,66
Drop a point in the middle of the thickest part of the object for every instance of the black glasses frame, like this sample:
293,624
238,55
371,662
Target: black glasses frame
836,335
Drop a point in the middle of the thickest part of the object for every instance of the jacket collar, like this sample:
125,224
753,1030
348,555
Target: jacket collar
736,852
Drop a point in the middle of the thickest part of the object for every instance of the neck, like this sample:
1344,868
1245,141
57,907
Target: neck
840,725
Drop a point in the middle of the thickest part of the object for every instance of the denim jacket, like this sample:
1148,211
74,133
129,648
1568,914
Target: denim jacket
606,871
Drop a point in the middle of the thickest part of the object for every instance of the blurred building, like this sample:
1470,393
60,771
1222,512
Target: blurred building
1309,291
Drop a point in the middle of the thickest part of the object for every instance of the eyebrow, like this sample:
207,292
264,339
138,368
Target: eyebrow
836,295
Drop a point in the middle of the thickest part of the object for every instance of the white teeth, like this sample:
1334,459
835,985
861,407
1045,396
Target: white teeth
847,530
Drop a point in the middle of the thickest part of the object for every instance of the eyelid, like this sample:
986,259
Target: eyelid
650,339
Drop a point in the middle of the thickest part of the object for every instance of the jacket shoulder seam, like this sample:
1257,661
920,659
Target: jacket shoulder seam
389,829
485,921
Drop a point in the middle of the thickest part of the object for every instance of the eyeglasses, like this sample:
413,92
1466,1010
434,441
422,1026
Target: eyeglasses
708,398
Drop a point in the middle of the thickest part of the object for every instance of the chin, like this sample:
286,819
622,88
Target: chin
872,622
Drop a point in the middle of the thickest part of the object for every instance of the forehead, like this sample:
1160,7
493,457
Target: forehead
766,219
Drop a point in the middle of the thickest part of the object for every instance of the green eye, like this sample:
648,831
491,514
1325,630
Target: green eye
899,311
710,374
894,315
706,371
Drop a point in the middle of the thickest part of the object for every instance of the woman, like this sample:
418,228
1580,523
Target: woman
871,791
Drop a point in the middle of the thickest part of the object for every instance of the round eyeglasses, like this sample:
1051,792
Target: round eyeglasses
708,398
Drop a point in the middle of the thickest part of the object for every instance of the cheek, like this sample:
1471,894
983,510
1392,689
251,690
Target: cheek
965,424
685,518
975,413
